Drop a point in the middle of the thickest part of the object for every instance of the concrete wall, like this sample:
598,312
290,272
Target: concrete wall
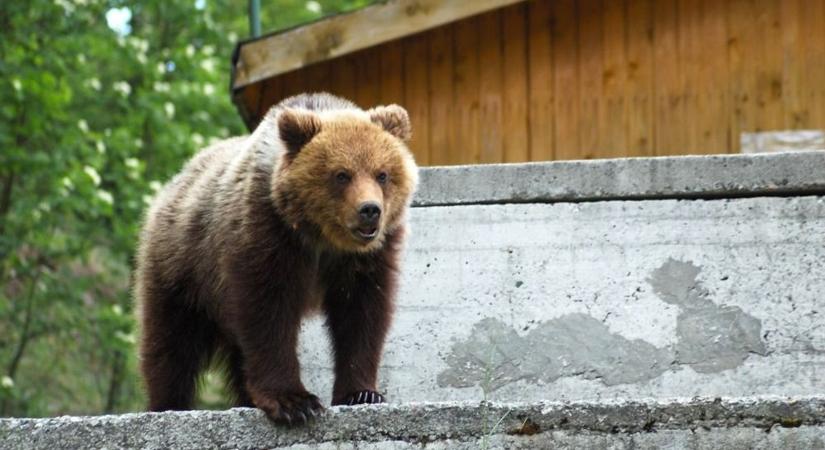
609,299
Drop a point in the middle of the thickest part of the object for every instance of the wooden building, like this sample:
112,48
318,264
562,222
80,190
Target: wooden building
512,80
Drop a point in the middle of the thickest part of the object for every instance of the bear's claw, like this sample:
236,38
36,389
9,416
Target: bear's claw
293,408
364,397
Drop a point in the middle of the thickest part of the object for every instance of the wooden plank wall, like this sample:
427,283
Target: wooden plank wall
568,79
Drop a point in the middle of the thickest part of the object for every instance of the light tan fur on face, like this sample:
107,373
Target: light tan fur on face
363,188
306,189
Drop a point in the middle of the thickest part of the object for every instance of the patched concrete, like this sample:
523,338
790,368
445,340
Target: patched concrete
604,300
710,337
573,345
715,176
771,423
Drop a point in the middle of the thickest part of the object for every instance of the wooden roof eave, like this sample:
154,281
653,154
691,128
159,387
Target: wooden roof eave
261,58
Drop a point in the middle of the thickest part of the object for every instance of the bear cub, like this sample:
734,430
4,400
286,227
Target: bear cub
305,214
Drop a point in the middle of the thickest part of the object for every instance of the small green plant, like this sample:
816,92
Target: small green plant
485,403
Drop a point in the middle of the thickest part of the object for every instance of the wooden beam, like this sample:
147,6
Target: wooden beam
346,33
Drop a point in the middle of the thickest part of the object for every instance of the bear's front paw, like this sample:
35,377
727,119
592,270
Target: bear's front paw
291,408
365,397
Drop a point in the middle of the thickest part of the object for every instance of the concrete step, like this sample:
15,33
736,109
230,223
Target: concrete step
613,279
748,423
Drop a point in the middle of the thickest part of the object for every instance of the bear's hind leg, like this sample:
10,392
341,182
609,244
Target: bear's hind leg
177,343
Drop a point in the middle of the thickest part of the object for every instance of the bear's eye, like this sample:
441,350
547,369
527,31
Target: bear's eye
342,177
382,177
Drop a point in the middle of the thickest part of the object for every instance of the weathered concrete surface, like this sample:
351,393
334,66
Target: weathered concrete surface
605,300
798,173
775,423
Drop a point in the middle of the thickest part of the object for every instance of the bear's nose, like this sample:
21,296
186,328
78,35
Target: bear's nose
369,212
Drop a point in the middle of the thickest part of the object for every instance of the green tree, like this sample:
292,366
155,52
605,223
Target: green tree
93,119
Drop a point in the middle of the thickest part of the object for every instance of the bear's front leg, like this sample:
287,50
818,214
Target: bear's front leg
359,304
266,319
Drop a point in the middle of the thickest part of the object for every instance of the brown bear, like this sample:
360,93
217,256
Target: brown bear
305,214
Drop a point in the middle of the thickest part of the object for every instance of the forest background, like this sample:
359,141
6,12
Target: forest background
101,102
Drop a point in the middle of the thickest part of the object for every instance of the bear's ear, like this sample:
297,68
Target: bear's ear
393,119
296,128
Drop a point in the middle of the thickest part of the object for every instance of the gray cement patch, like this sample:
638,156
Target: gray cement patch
711,338
574,345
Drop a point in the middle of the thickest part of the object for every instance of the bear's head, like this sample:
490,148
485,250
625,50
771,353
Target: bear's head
347,174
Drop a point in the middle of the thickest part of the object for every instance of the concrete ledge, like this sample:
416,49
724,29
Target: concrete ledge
797,173
732,423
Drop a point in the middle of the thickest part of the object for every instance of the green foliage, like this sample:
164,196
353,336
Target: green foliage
91,123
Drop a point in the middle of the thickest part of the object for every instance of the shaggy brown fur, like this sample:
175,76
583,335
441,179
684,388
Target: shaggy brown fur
255,233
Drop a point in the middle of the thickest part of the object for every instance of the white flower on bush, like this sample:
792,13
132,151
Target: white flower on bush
208,50
18,86
101,147
6,382
160,86
155,185
128,338
92,173
83,125
190,50
169,108
313,6
94,83
208,88
197,139
141,57
138,143
123,87
68,8
105,196
208,64
141,45
132,163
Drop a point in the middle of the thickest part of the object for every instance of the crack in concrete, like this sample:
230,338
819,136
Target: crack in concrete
710,338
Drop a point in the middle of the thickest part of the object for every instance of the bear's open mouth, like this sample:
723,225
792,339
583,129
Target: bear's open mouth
367,232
